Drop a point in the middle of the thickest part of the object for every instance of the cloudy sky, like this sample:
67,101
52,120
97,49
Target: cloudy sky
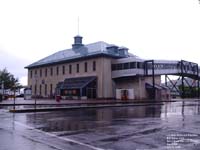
151,29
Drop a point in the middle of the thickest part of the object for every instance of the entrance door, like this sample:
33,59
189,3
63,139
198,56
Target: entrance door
91,92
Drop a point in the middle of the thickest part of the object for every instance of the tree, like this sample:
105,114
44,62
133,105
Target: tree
10,82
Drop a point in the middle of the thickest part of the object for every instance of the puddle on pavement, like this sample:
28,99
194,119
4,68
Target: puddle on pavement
86,119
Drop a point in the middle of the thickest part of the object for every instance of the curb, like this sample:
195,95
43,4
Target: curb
87,103
77,107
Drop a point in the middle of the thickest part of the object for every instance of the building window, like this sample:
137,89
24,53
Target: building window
35,89
45,89
40,72
77,68
57,70
114,67
31,72
63,69
70,69
35,72
51,71
85,66
45,72
94,66
133,65
140,65
119,66
40,89
126,66
51,89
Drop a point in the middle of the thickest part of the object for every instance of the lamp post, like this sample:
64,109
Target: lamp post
14,97
35,90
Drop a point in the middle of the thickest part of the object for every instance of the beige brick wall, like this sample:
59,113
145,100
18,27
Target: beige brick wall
103,73
105,85
107,78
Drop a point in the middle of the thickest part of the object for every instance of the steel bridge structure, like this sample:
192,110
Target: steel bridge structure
184,70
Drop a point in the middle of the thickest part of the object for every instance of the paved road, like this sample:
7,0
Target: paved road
174,125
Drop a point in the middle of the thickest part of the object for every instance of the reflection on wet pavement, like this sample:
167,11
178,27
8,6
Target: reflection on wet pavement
144,127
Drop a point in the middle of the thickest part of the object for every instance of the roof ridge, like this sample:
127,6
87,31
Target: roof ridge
84,45
96,48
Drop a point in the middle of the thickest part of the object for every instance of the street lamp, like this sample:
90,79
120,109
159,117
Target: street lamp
35,89
14,97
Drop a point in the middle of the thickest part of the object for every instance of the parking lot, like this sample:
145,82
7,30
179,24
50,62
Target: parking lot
174,125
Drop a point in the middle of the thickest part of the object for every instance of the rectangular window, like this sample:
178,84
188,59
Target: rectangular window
45,89
139,65
57,70
63,69
51,70
85,66
31,72
70,69
40,89
94,66
45,72
126,66
35,72
40,72
133,65
77,68
114,67
35,89
118,66
51,89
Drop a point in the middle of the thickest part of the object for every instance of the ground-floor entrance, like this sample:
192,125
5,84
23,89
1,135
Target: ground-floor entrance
78,88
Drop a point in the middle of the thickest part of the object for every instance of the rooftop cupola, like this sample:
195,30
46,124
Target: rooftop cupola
77,42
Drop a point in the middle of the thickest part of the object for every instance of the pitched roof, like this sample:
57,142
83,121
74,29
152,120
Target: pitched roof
81,52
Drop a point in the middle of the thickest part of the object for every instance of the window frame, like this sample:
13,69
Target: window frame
86,66
94,66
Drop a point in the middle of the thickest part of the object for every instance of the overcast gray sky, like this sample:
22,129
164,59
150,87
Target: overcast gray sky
151,29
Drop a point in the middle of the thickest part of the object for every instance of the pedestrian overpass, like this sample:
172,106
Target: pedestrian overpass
134,66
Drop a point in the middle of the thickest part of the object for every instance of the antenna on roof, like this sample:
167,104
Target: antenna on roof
78,25
77,38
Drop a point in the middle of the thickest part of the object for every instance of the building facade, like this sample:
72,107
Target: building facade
43,80
94,71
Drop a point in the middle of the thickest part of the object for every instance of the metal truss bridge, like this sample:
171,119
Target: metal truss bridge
183,69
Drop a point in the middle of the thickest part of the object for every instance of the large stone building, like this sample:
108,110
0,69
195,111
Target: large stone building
90,71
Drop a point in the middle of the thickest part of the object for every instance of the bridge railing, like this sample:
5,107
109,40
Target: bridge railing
181,67
158,67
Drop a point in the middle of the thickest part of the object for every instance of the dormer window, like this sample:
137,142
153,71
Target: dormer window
123,51
113,49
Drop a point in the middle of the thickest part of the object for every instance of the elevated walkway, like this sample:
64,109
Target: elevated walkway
133,67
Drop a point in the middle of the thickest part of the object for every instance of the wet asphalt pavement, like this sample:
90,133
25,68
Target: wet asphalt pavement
174,125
